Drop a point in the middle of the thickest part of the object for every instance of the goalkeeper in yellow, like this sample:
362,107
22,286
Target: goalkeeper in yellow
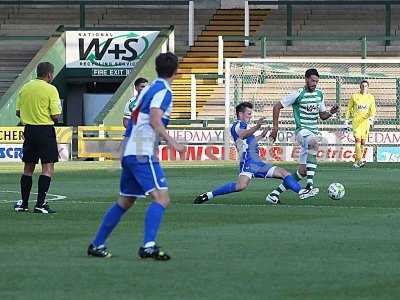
361,112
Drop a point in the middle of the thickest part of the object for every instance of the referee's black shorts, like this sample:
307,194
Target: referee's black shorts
40,143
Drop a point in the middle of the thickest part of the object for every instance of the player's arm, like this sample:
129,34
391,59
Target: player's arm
276,110
372,112
350,110
18,106
244,133
325,114
264,133
55,118
55,105
157,124
127,115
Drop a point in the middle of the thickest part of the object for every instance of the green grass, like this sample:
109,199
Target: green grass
235,248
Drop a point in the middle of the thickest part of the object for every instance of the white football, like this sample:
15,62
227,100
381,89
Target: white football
336,191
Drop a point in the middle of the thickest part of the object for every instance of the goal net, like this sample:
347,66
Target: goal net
266,81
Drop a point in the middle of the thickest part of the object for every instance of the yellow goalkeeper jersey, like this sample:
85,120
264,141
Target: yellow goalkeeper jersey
361,107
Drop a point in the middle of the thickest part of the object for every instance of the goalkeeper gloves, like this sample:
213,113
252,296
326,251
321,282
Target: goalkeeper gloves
346,127
371,122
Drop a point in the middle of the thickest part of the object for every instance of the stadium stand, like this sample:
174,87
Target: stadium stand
338,23
309,22
203,57
28,21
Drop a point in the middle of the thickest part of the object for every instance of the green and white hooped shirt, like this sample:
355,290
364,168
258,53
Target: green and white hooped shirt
306,108
129,106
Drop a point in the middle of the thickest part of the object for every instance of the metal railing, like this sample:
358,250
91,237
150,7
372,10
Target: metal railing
263,39
290,10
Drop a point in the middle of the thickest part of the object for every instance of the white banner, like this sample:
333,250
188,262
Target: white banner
13,152
338,137
10,152
209,136
197,136
325,153
106,49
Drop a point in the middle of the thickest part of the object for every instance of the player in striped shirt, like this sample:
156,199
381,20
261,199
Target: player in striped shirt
142,174
308,106
139,84
251,165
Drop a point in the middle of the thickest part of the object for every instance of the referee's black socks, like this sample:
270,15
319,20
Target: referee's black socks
26,185
43,187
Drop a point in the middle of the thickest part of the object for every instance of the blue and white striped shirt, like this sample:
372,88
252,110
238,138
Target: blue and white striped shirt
143,138
248,147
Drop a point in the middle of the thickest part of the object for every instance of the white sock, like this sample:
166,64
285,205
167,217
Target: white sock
210,195
150,244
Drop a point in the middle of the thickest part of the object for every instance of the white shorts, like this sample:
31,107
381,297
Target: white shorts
303,138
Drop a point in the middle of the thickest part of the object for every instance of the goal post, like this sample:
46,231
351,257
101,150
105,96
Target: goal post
266,81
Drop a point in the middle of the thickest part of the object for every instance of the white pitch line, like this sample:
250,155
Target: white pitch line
61,198
55,197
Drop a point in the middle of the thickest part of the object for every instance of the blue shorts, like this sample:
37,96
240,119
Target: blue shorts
140,176
256,168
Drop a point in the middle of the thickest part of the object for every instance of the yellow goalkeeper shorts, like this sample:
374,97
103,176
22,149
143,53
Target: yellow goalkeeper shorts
361,131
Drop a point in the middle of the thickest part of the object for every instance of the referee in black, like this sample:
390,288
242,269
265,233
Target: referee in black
38,107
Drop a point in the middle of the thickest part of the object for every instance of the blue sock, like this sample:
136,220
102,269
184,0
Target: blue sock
225,189
152,221
290,183
110,220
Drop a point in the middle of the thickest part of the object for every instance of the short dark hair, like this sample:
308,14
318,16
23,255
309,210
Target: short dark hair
140,80
364,80
241,107
166,64
44,68
311,72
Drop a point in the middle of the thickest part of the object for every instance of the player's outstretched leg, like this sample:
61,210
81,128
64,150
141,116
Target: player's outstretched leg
227,188
152,221
273,197
110,220
222,190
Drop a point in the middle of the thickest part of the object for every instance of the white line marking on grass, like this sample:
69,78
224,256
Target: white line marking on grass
60,198
53,197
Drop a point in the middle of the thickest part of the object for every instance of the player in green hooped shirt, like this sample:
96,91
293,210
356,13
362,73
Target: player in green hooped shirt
308,105
139,84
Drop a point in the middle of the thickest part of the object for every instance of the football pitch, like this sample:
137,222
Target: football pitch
235,247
